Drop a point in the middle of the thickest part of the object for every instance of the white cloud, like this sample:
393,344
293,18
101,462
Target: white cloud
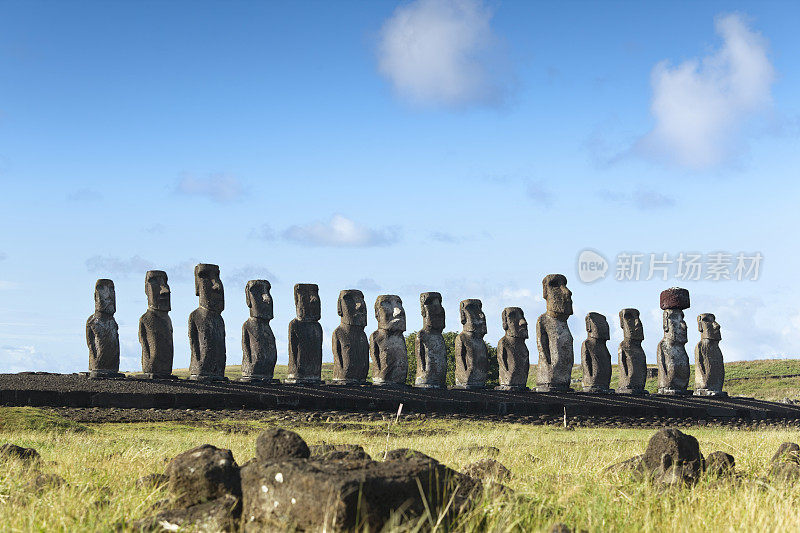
220,188
701,107
442,52
342,232
28,359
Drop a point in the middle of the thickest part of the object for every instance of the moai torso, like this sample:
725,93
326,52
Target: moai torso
155,336
472,360
259,353
556,355
673,367
514,362
349,342
207,343
431,355
632,367
305,351
389,357
595,358
709,367
102,332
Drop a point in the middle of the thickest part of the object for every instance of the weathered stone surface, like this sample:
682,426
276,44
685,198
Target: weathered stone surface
512,354
429,347
259,353
632,359
218,515
472,357
672,457
155,327
487,470
18,452
338,495
305,337
788,452
102,332
202,474
350,343
387,345
152,481
338,452
402,454
709,370
553,338
206,326
595,358
786,472
674,298
671,356
720,464
634,464
276,444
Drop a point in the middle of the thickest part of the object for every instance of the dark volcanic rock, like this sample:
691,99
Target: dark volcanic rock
221,514
277,444
202,474
788,452
18,452
673,457
720,464
634,464
674,298
487,470
322,495
152,481
401,454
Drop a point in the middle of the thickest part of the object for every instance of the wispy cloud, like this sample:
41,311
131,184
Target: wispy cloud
241,275
155,229
264,233
444,237
540,194
701,106
340,231
85,195
110,265
3,256
368,285
220,188
443,52
641,198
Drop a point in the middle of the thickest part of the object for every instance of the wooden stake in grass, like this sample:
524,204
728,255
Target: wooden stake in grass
389,429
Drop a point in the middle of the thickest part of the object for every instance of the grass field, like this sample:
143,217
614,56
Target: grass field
767,379
557,474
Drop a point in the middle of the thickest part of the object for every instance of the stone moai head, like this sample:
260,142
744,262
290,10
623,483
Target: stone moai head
558,296
631,324
514,322
708,327
306,302
208,287
674,326
352,307
259,300
430,304
157,290
472,317
597,326
105,300
390,313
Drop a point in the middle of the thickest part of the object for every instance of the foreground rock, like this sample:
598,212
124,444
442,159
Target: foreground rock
487,470
28,455
786,463
720,464
277,444
671,458
221,514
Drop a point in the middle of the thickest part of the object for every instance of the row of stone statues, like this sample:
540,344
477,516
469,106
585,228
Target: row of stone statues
386,346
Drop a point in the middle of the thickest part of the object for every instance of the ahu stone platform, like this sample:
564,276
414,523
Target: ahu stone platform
74,390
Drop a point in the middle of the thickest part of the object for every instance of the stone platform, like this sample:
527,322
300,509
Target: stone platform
73,390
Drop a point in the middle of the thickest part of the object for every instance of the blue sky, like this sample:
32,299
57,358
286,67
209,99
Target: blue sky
463,146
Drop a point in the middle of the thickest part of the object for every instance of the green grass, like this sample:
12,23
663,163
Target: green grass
30,419
557,473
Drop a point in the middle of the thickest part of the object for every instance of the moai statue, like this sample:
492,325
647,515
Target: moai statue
259,353
387,344
632,361
206,326
673,362
155,328
305,337
472,358
595,358
102,333
553,338
709,370
350,344
429,348
512,353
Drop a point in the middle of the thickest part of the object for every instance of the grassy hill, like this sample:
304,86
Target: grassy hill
767,379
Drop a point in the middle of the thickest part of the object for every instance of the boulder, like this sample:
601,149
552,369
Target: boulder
720,464
784,471
18,452
487,470
202,474
277,444
672,457
322,495
788,452
219,515
353,450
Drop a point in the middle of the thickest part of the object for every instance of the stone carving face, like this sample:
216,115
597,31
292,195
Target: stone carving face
352,307
631,324
558,296
208,287
597,326
306,301
157,290
390,313
674,326
259,300
514,322
472,316
708,326
105,300
432,311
